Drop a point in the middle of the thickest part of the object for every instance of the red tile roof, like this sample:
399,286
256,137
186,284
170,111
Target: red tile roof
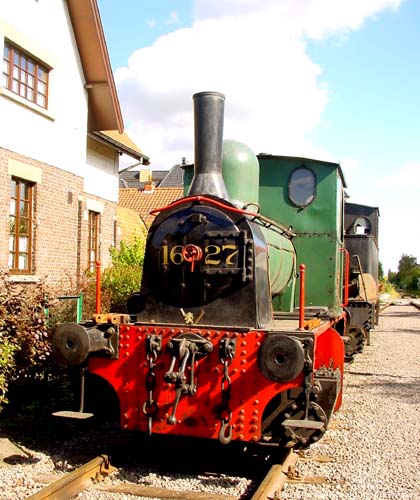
143,202
130,224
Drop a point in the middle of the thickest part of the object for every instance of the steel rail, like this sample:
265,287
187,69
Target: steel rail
274,481
76,481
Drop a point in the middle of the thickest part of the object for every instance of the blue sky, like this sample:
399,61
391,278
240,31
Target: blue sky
330,79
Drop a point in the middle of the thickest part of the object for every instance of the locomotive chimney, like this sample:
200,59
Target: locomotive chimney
208,140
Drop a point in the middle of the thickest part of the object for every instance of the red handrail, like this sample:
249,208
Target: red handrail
346,276
206,199
98,286
302,268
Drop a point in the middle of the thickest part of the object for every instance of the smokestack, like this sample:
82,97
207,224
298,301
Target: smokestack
208,139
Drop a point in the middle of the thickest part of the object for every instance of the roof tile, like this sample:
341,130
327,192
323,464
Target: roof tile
143,202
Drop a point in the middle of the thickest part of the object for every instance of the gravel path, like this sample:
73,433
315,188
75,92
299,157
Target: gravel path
374,442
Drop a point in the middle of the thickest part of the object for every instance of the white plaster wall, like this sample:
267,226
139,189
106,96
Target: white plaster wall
57,137
101,172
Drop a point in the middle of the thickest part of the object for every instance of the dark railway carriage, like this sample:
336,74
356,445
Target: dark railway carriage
361,241
220,342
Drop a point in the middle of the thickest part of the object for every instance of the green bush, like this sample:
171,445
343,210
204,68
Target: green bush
124,276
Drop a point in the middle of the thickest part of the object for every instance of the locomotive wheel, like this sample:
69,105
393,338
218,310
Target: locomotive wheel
302,437
355,345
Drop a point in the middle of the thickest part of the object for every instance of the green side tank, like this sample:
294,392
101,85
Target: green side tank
241,172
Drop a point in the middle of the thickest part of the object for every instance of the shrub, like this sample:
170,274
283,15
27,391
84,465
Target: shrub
24,333
124,276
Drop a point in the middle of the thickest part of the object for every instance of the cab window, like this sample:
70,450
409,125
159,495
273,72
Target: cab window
302,187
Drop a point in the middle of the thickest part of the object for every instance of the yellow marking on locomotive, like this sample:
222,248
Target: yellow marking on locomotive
310,324
174,255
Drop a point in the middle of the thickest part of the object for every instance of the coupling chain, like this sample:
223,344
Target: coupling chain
150,407
225,433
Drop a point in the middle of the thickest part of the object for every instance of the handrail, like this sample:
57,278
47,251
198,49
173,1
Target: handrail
302,268
200,198
98,287
346,276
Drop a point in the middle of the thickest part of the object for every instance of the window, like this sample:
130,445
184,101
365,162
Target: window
21,222
93,239
361,226
25,76
302,187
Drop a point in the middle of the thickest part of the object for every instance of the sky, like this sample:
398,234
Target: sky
335,80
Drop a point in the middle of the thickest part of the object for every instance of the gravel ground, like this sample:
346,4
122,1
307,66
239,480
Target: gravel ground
373,445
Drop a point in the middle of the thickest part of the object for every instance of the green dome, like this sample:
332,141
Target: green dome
241,172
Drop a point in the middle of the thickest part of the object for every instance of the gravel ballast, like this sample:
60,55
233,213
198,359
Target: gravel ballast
375,446
371,452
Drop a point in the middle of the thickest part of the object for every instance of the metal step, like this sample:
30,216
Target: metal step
304,424
73,414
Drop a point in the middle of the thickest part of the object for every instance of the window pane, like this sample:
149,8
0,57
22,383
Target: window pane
13,188
23,243
22,90
16,72
23,227
42,75
23,262
6,67
31,67
302,187
6,51
16,58
24,208
24,191
12,224
12,207
5,80
11,243
30,94
11,256
31,81
40,99
23,76
15,86
41,88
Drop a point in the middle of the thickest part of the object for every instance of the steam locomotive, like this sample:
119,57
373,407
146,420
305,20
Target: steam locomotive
237,333
361,241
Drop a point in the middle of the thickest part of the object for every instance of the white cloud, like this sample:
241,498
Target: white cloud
406,178
254,52
314,18
351,168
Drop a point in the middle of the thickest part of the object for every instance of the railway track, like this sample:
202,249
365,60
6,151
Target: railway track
76,481
99,468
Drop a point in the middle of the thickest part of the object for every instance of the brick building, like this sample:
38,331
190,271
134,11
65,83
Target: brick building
61,138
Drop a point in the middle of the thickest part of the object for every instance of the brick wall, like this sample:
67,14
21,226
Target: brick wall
60,222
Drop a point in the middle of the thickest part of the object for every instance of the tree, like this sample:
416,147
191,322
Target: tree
380,272
408,274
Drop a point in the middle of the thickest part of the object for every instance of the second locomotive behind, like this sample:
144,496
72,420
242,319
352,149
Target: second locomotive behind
220,343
